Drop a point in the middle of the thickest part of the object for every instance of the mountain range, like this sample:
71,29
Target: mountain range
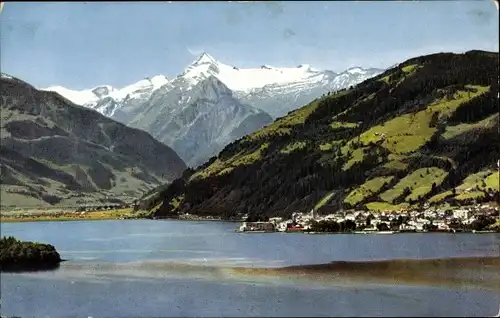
424,132
54,152
211,103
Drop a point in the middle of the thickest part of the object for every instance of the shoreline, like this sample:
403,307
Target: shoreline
48,218
130,214
61,215
66,218
369,233
57,219
97,216
16,220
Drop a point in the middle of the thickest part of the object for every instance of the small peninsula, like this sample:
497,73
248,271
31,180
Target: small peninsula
16,255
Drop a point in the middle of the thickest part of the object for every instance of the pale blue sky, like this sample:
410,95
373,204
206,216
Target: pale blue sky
82,45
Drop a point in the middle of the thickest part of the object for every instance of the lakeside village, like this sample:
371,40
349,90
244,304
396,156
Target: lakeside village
480,218
476,219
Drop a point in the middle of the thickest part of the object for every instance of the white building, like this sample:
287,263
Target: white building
461,214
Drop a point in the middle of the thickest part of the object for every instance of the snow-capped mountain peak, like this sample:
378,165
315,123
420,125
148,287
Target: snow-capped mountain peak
204,58
102,91
82,97
90,97
355,70
211,103
247,79
144,87
158,81
203,67
251,85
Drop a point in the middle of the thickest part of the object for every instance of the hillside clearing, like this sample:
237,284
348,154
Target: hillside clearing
384,206
410,132
221,167
419,182
453,131
367,189
293,147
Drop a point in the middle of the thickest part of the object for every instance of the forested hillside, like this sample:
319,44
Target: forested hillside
425,131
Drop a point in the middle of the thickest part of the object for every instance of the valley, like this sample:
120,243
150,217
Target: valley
54,152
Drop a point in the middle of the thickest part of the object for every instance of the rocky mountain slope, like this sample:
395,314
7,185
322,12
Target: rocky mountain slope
197,120
423,132
55,152
211,104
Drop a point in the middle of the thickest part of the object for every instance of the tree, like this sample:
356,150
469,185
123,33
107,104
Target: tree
433,187
429,226
434,119
482,223
406,192
382,226
349,225
369,219
455,224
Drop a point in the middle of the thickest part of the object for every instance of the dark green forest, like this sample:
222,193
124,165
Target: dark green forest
17,255
422,133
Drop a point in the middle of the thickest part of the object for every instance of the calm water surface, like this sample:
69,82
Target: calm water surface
152,268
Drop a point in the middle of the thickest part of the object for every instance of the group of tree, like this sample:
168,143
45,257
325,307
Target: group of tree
332,226
19,255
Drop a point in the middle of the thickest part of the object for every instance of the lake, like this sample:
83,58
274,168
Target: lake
139,268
